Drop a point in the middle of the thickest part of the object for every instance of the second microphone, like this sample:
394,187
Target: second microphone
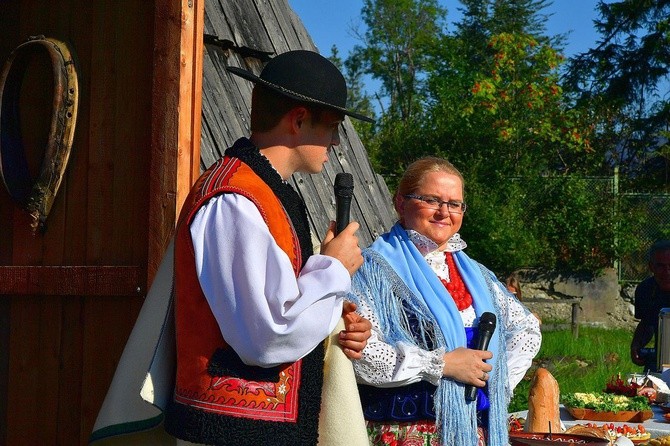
344,190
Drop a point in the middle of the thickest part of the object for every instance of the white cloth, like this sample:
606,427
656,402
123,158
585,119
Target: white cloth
131,413
341,421
383,365
265,314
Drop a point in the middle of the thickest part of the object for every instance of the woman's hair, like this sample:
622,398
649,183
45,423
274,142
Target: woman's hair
269,106
415,172
513,281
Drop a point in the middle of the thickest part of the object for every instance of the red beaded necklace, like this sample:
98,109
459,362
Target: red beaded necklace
456,287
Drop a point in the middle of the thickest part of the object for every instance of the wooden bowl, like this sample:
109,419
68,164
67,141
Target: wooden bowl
624,415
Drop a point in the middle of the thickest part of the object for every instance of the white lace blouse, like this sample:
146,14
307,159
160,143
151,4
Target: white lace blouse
384,365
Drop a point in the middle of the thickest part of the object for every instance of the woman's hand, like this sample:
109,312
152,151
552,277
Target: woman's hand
357,331
467,366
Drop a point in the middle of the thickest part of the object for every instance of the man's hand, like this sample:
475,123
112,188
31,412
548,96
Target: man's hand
357,330
344,247
641,337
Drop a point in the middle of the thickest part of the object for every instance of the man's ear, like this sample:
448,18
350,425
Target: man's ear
298,117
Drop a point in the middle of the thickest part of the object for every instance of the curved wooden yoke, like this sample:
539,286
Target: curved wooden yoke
36,196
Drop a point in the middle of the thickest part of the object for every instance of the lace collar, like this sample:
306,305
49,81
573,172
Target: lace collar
426,245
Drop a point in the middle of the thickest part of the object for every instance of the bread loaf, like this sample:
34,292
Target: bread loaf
588,431
543,401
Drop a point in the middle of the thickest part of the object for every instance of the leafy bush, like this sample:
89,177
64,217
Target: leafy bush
563,223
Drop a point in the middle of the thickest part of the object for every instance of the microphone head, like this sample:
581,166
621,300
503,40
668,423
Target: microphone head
487,321
344,184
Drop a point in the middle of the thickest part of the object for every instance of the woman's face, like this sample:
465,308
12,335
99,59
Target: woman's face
436,224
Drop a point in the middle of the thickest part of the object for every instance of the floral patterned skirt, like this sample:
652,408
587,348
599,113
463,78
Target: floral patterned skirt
422,433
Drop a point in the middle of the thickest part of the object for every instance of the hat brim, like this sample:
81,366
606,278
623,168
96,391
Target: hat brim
294,95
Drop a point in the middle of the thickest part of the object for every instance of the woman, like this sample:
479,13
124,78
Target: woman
514,285
424,296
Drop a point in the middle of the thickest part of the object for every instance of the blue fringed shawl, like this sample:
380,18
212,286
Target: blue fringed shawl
396,279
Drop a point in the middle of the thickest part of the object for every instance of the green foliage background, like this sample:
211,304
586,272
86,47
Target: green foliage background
528,129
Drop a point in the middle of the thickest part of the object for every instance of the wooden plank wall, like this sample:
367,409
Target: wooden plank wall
273,26
58,351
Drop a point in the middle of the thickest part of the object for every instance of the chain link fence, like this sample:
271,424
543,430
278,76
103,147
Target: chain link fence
646,218
649,221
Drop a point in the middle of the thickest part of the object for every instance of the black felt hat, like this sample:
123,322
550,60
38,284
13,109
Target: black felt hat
305,76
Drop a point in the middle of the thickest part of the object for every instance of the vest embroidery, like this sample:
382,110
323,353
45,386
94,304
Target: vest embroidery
252,399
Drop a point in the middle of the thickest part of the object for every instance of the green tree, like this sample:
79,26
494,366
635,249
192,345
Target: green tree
498,112
489,99
624,81
396,44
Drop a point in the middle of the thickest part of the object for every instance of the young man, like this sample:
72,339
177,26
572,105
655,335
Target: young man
651,295
253,305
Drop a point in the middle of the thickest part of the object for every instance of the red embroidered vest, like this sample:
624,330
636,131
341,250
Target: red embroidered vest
215,393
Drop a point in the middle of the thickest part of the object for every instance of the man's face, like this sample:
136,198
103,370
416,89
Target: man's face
316,140
660,268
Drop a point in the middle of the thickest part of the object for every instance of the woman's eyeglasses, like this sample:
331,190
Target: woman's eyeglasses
454,207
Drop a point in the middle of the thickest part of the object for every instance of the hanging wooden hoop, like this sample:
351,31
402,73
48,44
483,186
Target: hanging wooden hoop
36,196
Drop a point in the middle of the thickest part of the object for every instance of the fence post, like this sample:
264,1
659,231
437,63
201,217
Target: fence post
615,191
575,320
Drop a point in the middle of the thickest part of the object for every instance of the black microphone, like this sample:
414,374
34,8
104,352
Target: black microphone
487,325
344,190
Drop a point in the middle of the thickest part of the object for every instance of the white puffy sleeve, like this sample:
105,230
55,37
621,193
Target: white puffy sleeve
385,365
522,333
266,314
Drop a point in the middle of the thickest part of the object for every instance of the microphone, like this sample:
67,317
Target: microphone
344,190
487,325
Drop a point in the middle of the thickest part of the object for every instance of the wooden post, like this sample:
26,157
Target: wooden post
177,112
575,319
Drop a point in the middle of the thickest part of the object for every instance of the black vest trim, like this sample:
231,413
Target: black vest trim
198,426
226,362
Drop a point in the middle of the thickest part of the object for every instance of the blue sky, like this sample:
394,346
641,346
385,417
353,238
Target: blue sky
329,22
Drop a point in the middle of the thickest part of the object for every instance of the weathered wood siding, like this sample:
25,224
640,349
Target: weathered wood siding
273,26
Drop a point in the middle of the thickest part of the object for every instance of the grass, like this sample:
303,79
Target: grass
584,364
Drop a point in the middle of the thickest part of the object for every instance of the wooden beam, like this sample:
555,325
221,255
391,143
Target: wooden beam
190,96
72,280
177,109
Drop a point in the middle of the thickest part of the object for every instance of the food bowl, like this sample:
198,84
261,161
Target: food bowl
635,416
